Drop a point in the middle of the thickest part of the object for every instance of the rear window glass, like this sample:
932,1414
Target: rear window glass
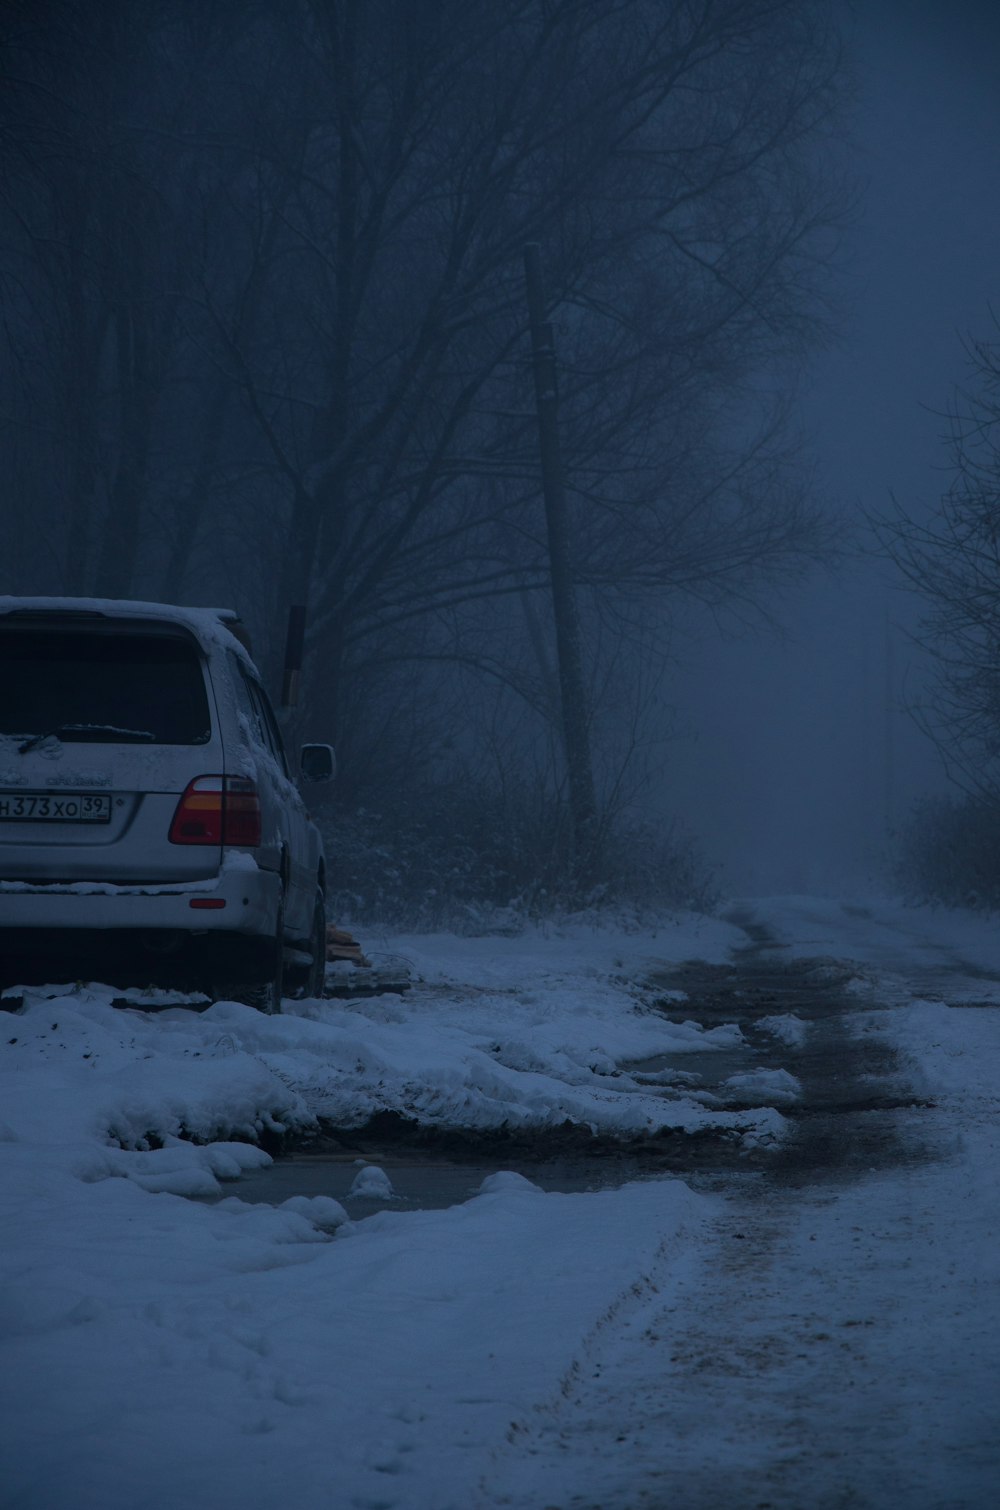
97,687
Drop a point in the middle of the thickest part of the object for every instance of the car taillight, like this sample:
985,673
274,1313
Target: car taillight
217,810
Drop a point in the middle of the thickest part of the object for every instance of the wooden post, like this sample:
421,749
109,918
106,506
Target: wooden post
295,641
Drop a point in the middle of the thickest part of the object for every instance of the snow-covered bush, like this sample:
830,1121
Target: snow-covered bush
949,851
484,860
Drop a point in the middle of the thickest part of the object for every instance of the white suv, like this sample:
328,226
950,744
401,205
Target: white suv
150,828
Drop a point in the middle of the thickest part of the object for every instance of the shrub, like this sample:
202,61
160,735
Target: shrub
484,860
949,851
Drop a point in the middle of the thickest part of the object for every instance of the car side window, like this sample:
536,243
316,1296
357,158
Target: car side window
253,703
268,722
244,701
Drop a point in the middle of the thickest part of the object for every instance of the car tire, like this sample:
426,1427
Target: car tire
265,993
308,980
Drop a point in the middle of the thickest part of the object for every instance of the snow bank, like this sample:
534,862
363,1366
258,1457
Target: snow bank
160,1352
516,1033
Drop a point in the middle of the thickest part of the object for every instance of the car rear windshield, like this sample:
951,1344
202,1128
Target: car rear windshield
108,687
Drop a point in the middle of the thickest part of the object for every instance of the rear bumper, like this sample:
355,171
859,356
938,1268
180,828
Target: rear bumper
236,901
139,934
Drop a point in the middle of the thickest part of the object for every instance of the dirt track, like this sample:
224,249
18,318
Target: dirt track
851,1088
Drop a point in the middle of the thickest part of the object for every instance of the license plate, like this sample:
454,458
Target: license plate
55,807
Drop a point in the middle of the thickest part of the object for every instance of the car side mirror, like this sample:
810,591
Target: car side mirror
318,762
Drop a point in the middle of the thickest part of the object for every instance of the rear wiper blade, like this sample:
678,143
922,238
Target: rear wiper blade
89,731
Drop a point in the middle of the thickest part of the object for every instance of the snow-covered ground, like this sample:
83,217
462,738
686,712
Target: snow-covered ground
520,1348
832,1345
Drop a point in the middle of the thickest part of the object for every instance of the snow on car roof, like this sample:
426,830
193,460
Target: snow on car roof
211,626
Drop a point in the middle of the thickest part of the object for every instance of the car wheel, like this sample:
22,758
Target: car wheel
308,980
265,993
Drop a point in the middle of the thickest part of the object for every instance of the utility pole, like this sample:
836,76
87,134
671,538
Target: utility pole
572,695
889,747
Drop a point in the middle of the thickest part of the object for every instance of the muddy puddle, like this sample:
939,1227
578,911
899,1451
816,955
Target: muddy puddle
855,1112
697,1069
423,1184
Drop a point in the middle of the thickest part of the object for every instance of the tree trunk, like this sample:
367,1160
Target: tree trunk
191,506
572,692
122,528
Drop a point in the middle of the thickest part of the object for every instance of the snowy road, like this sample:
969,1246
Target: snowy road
836,1344
814,1324
831,1350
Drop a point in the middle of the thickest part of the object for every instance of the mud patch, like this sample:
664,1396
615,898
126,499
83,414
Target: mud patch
856,1111
798,1018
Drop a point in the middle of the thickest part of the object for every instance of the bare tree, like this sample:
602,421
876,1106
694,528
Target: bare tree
660,154
265,283
107,118
951,559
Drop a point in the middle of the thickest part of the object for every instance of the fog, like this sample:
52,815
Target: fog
267,345
800,757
